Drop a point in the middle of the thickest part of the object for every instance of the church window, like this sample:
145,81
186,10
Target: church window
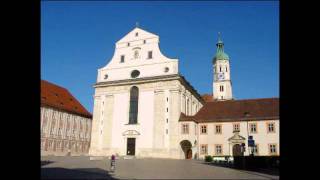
218,129
167,99
144,41
135,73
204,149
166,69
187,107
218,149
167,120
253,128
106,76
220,68
122,59
136,54
221,89
136,34
167,110
226,69
128,44
133,112
149,54
185,128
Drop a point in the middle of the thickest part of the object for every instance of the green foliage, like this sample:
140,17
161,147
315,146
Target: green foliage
208,158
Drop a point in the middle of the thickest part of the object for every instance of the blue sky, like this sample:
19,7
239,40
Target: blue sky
77,38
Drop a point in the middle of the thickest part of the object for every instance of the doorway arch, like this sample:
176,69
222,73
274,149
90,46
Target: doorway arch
186,148
236,150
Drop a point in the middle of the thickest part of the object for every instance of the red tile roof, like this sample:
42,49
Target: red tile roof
207,97
58,97
237,110
183,117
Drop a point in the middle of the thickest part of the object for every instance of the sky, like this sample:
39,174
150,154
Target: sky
78,38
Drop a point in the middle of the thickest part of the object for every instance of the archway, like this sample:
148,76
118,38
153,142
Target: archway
236,150
186,148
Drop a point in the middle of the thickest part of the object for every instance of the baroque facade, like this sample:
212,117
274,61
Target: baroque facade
65,123
144,107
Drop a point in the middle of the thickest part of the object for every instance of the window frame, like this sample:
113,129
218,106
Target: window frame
256,124
215,149
122,58
206,149
150,53
234,125
133,105
215,129
201,128
183,129
276,149
274,127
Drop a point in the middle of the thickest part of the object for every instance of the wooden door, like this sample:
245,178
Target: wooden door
237,150
131,146
189,154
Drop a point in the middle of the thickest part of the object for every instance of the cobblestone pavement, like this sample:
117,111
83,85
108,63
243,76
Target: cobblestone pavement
84,168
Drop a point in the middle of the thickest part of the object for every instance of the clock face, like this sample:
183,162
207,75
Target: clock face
220,76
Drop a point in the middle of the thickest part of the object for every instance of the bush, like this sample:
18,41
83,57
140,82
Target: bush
208,158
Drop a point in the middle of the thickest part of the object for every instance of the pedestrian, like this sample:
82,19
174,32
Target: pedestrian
113,163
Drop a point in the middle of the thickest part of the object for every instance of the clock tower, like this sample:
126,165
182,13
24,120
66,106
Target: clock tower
222,87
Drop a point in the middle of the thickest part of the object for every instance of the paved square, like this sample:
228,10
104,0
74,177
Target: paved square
84,168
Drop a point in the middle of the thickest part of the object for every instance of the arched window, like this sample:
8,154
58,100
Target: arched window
133,112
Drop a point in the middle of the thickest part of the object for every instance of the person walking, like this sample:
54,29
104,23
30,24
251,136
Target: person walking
113,163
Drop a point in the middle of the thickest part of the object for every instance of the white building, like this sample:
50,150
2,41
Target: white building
144,107
65,123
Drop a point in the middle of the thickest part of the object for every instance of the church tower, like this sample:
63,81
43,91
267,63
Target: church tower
222,87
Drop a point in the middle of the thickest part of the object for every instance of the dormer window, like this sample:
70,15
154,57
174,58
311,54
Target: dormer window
122,59
149,54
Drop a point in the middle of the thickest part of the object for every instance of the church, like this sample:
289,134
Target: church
144,107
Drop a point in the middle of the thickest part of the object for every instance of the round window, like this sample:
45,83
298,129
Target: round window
106,76
166,69
135,73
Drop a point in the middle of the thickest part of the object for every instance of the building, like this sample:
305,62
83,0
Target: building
65,123
223,126
144,107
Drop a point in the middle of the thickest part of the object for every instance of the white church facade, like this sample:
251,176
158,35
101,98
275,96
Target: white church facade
143,107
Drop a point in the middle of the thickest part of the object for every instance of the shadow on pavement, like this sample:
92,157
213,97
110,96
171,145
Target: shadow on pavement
273,172
85,173
43,163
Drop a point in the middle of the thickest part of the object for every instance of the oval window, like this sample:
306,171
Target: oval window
166,69
135,73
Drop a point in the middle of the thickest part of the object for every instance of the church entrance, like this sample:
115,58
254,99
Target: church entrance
131,146
186,148
236,150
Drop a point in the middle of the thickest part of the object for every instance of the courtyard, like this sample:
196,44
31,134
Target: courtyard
81,167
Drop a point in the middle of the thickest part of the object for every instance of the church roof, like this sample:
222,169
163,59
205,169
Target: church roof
234,110
207,97
237,110
220,54
60,98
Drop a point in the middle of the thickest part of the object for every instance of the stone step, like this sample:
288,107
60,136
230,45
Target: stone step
129,157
